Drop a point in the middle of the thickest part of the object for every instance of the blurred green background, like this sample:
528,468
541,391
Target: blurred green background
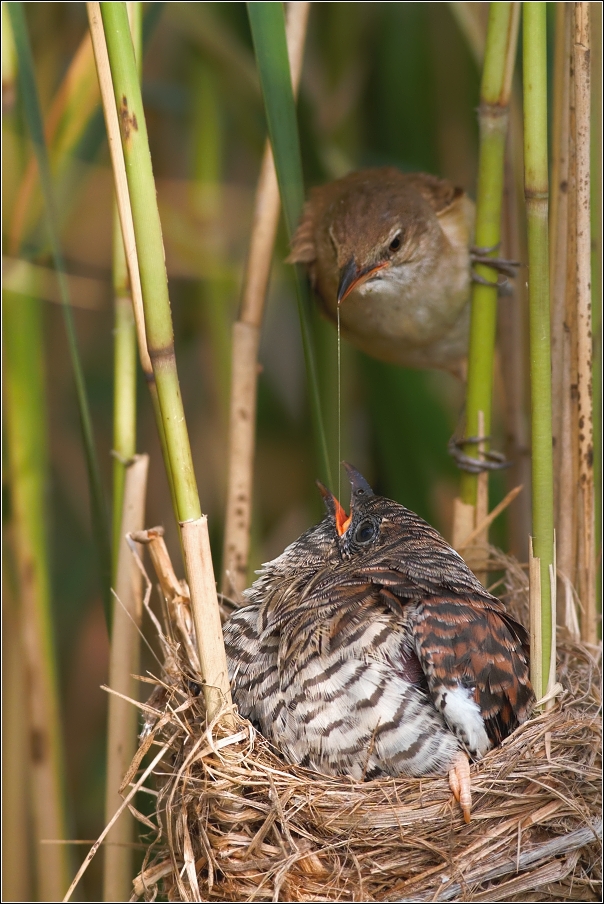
382,83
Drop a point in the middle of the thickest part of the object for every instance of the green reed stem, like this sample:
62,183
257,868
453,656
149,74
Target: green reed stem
125,353
537,195
493,120
193,527
147,228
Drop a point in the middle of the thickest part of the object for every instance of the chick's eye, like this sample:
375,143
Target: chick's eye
365,532
395,244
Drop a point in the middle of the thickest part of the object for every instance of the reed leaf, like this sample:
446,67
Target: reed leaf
267,22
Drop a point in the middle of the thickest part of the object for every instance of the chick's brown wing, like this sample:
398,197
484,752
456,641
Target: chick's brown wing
468,643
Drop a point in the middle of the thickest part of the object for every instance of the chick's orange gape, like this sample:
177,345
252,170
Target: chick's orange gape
369,648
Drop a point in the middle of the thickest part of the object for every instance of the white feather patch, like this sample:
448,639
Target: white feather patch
463,714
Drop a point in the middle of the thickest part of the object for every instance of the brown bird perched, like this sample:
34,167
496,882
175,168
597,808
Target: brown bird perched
392,250
369,648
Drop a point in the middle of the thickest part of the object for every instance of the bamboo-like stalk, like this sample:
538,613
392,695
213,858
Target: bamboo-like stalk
587,564
562,256
27,444
124,358
126,223
536,193
596,267
511,328
246,340
34,121
123,664
124,376
267,25
568,471
495,94
160,342
129,490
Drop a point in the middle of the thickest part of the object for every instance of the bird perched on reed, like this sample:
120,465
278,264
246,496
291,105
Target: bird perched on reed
368,648
391,254
392,251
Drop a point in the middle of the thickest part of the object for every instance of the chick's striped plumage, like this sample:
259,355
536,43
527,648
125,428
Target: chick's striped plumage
374,650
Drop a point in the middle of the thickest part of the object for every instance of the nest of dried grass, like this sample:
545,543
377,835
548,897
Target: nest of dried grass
238,824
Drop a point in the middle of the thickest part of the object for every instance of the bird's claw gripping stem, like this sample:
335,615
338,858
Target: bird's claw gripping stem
505,268
491,461
460,784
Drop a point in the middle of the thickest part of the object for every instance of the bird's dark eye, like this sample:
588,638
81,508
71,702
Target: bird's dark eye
395,244
365,532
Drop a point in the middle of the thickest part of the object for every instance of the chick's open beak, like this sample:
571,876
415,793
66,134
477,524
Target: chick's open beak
342,520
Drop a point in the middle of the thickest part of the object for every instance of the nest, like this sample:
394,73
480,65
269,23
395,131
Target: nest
236,823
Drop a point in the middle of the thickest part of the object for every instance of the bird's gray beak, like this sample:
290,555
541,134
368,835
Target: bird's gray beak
351,276
358,484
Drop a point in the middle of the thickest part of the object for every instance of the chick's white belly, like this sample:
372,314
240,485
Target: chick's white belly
341,715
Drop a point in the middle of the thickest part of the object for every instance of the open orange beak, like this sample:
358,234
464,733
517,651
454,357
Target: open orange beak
351,277
341,518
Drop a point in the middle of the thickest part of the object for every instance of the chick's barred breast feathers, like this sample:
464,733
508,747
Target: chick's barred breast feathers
369,648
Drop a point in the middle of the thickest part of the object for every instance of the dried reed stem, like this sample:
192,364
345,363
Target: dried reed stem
123,664
124,352
486,522
246,340
206,615
512,328
562,213
567,522
587,563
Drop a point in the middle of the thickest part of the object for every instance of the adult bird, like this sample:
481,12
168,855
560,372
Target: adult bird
392,252
369,648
